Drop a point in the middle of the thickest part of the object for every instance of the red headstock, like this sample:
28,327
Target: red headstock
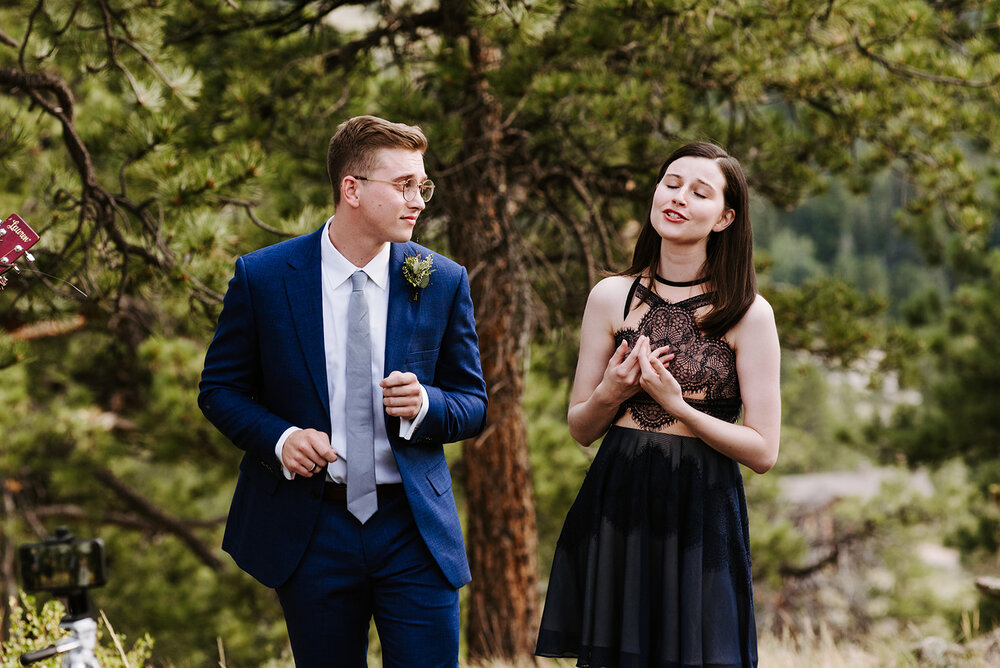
16,237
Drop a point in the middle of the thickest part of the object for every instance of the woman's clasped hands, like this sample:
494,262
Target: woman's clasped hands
655,378
641,368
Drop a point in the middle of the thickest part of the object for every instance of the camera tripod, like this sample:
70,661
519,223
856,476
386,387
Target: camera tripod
79,646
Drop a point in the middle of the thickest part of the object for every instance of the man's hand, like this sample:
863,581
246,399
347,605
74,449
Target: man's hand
401,395
306,452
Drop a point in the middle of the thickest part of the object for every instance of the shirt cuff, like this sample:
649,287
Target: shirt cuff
408,427
281,446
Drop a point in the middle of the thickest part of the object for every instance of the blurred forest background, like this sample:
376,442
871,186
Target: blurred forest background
151,143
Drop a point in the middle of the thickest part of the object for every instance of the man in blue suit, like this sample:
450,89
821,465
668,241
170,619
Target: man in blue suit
281,376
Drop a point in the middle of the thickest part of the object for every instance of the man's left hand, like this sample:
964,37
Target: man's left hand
401,395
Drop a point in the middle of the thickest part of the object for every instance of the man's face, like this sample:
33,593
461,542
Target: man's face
388,215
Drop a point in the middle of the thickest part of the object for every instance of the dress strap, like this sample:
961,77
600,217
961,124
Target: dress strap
631,294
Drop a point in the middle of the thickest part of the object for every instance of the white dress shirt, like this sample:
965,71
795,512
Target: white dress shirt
336,275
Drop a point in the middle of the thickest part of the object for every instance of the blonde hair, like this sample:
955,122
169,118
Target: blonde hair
353,148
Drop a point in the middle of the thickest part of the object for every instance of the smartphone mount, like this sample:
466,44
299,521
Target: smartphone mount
80,618
78,646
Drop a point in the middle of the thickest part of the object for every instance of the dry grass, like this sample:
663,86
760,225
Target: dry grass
819,650
815,651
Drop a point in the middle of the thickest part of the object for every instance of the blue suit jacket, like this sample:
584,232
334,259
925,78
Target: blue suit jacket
265,371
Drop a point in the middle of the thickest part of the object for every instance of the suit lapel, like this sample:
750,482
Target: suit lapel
402,316
304,290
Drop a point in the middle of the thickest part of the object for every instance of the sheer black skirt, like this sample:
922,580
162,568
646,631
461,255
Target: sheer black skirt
652,567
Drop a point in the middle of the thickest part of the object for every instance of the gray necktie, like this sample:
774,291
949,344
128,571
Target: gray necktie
362,500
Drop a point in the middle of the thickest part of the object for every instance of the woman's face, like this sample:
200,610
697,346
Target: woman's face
689,203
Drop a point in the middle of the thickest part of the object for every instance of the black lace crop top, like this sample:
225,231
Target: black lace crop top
705,367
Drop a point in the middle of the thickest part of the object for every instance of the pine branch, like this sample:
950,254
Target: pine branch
111,39
54,96
570,221
125,520
278,23
905,70
39,87
158,517
831,557
408,25
248,207
8,41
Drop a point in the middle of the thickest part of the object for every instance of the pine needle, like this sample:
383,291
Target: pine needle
114,636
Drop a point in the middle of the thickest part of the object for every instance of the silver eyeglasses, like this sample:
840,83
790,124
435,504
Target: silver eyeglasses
409,187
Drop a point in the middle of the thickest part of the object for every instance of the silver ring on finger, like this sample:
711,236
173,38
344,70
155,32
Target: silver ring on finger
313,469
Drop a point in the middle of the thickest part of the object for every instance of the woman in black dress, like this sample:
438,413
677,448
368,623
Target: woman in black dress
652,567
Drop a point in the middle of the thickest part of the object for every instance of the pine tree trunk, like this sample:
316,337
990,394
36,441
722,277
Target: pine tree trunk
501,534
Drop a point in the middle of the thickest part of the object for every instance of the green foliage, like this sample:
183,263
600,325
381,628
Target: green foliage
959,416
815,436
203,127
872,565
558,463
917,590
775,541
32,629
813,319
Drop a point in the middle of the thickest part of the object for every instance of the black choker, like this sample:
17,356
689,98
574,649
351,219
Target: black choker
681,284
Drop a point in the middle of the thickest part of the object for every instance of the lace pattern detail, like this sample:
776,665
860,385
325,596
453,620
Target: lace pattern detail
704,367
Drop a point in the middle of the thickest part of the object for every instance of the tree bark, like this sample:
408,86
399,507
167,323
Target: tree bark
501,533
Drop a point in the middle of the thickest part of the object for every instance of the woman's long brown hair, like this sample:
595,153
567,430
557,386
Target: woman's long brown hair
729,262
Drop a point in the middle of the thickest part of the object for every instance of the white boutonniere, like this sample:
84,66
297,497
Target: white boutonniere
417,273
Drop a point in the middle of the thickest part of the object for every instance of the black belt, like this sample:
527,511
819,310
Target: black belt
337,493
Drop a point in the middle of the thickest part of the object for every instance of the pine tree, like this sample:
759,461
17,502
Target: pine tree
151,143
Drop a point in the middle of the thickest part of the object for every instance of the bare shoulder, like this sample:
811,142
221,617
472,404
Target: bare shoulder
608,296
757,324
760,312
611,288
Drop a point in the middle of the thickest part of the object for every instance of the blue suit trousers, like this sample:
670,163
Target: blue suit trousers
352,573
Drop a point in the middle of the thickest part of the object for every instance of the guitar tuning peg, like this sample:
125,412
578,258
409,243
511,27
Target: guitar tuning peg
4,261
29,256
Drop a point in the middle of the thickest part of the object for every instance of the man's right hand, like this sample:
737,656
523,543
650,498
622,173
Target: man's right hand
306,452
